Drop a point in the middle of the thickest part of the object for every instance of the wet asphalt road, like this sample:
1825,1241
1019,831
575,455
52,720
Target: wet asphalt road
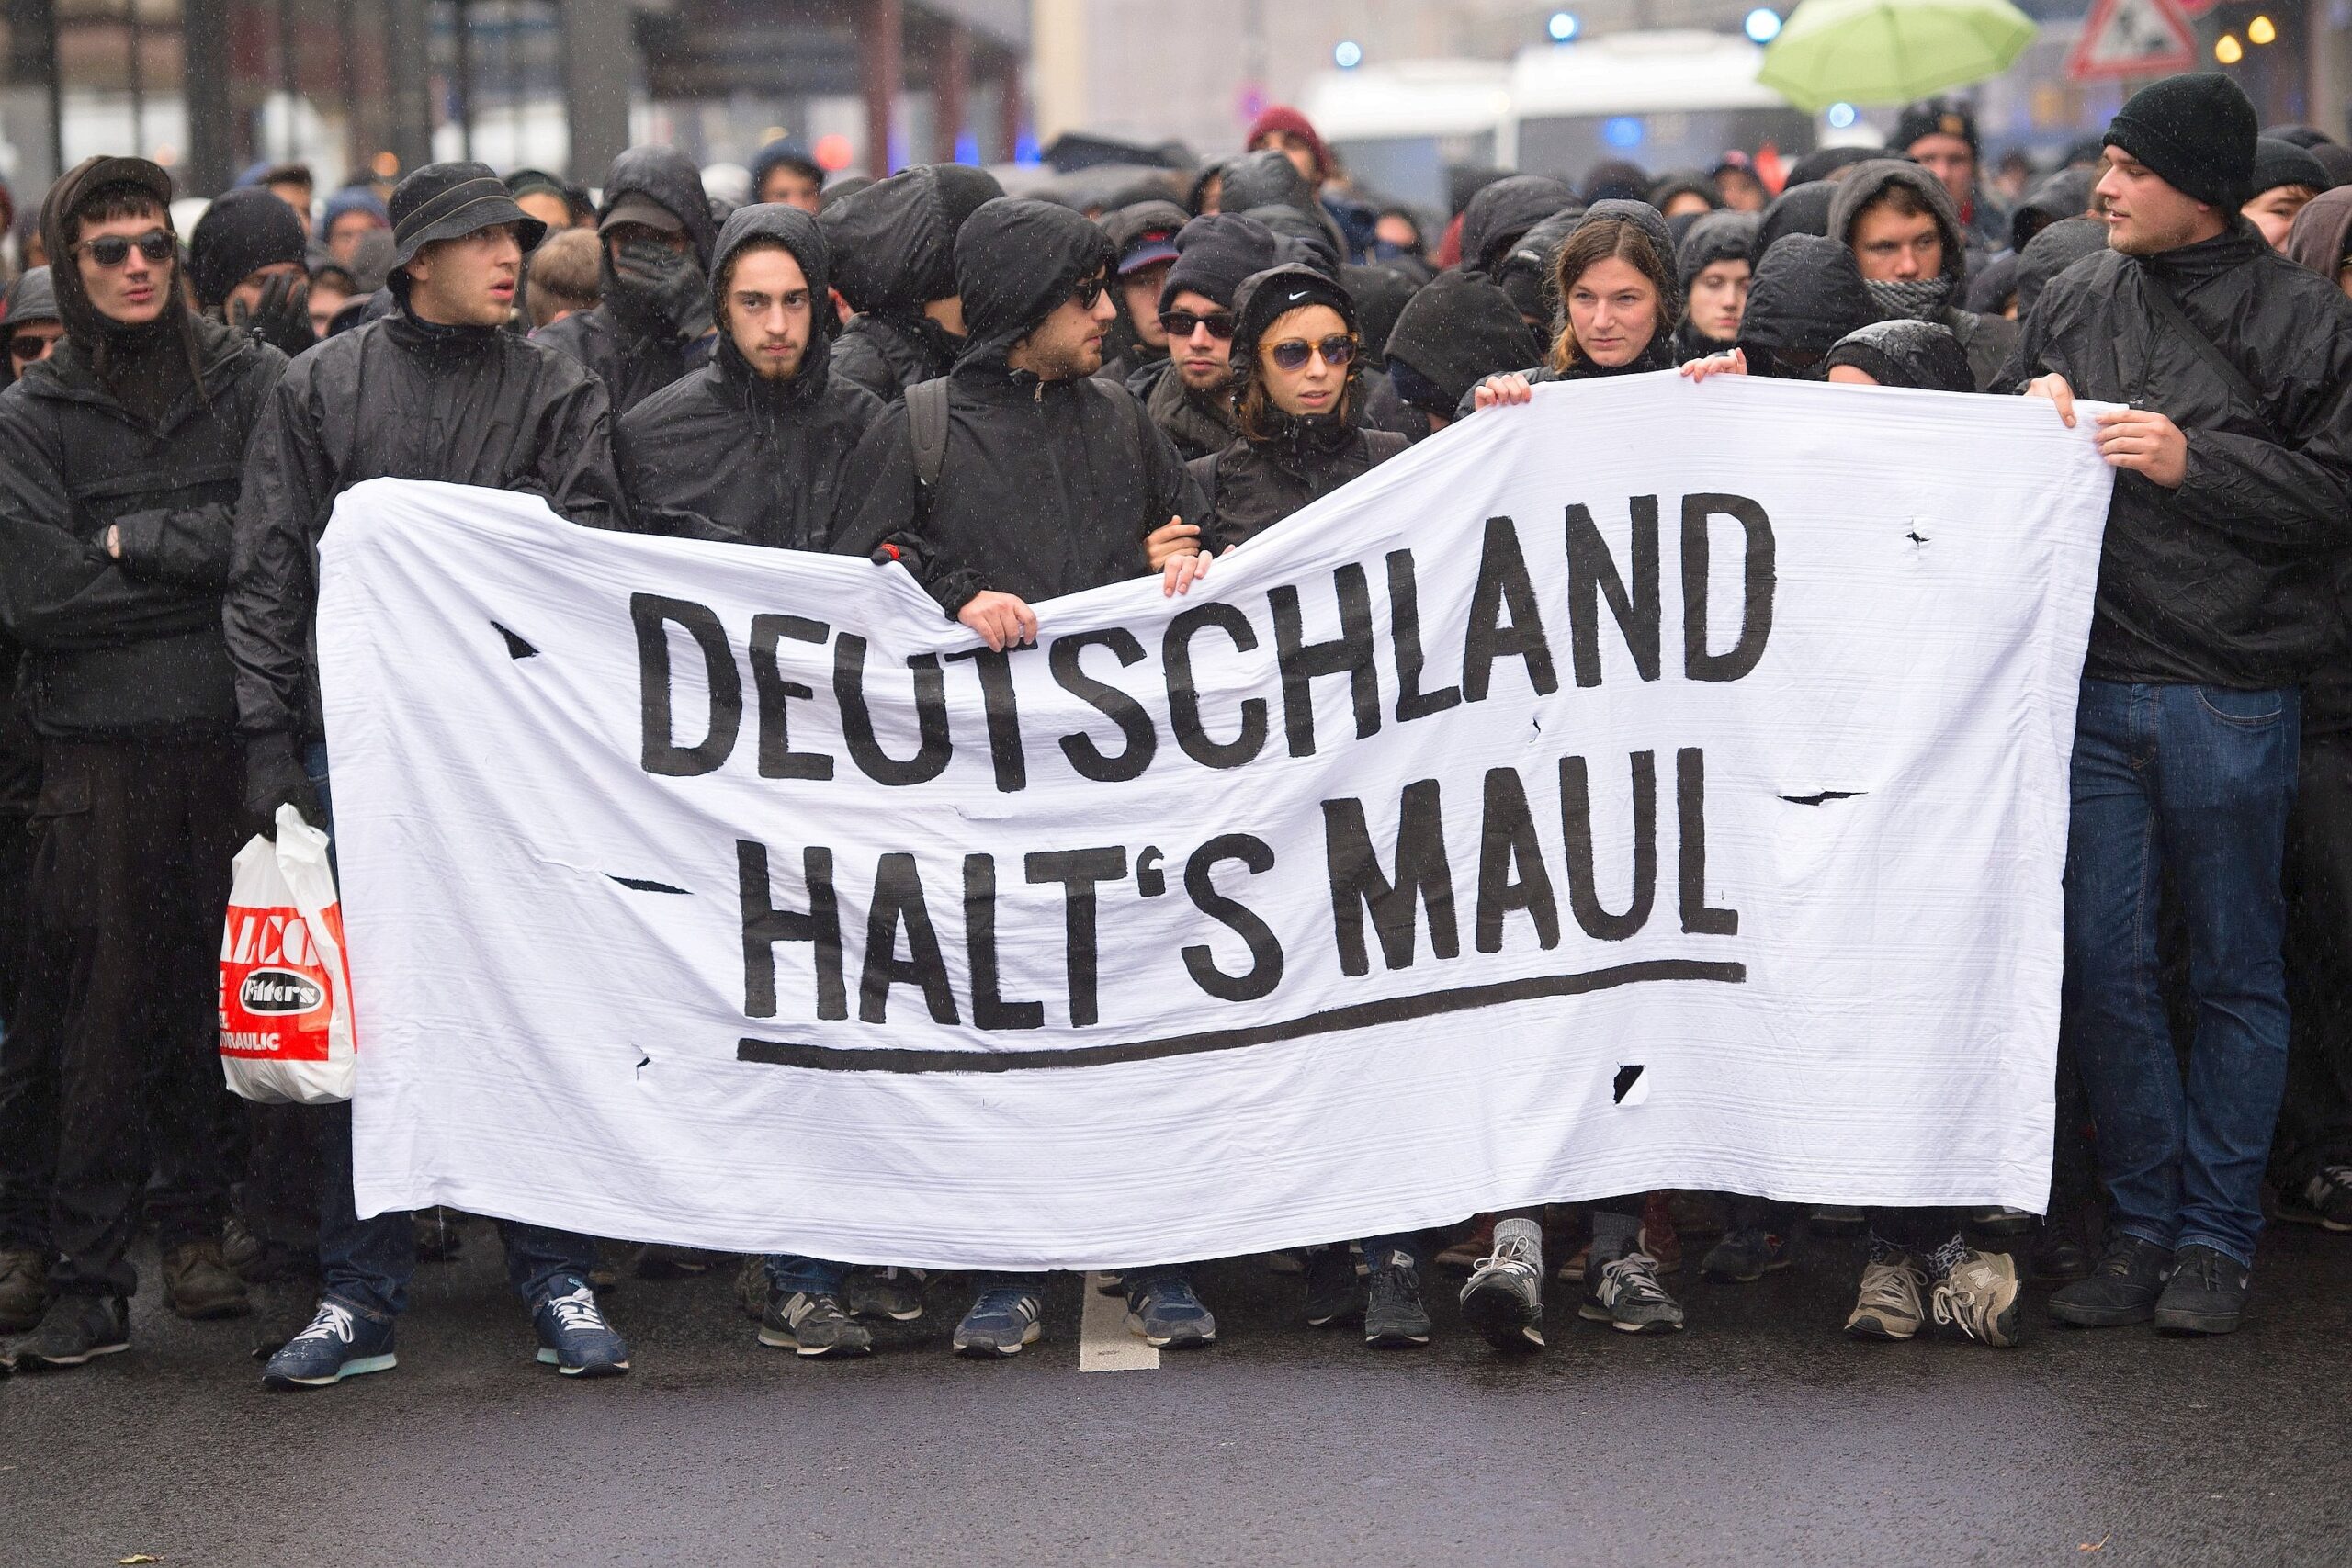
1760,1435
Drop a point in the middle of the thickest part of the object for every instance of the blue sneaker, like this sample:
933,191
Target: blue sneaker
574,1338
1167,1315
339,1344
1000,1324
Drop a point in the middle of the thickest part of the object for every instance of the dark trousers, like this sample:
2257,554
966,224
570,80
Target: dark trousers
110,1064
2315,1121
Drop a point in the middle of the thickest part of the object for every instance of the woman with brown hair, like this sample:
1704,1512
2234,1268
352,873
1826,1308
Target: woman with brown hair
1613,285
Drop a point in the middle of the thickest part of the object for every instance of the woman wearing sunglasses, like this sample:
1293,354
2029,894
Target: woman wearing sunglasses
1296,358
1613,283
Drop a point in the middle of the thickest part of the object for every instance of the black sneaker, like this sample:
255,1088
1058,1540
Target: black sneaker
2205,1294
74,1330
2325,1201
2122,1289
813,1325
2059,1257
1504,1299
1625,1295
1334,1294
1394,1317
24,1288
1746,1254
2000,1221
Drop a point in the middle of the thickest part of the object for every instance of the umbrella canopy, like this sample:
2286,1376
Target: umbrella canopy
1890,52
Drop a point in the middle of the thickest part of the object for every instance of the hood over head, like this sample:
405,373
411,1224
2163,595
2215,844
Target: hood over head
1685,182
1380,294
894,241
1920,355
1868,181
1524,271
1715,237
1994,284
96,335
1214,253
243,230
1799,210
1807,294
2322,234
1455,333
1504,211
32,298
1265,178
1823,162
1617,179
798,233
2051,252
1144,232
1308,241
1016,260
670,180
2067,193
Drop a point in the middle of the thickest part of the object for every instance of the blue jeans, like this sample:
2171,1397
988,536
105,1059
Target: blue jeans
367,1264
2196,781
814,1276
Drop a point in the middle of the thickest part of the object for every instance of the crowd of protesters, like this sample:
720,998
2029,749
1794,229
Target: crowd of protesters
1015,399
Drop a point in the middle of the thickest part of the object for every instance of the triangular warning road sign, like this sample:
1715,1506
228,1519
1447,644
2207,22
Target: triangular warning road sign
2132,37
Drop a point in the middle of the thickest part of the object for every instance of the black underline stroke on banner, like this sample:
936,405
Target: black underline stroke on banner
1332,1020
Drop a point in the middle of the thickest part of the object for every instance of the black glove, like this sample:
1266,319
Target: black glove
671,280
273,777
281,318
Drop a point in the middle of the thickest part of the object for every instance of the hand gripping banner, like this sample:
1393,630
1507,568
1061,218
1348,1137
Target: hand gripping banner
1658,786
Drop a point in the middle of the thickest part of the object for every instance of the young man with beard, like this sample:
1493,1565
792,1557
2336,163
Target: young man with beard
118,477
1052,482
437,390
652,323
1189,394
2216,599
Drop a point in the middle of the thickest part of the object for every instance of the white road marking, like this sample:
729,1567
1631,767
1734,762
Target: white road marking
1104,1343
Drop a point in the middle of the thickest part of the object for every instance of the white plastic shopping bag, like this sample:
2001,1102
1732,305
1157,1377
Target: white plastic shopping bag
285,985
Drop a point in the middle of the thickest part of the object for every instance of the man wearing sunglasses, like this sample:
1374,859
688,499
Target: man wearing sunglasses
30,328
1189,394
119,479
1048,483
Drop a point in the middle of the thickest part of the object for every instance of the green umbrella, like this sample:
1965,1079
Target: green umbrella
1890,52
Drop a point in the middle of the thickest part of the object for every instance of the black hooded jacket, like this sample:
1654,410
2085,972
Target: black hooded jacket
1799,210
399,398
1658,353
127,646
1806,295
2227,580
1454,334
1506,210
894,252
1986,340
1259,480
1048,487
634,351
2052,252
1715,237
725,453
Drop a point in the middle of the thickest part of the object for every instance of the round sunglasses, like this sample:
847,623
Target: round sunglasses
1293,353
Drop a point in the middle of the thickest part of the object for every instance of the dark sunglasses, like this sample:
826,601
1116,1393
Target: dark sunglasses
113,250
1293,353
1086,291
1184,323
28,347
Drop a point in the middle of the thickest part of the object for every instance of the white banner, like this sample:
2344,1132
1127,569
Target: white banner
1663,785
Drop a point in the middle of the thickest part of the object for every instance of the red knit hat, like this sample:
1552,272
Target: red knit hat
1283,118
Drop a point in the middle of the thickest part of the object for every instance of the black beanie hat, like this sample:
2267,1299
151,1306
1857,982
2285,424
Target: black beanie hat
242,231
1214,254
1933,117
2278,162
2196,133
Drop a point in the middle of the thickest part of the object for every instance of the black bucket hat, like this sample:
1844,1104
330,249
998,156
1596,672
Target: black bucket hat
448,201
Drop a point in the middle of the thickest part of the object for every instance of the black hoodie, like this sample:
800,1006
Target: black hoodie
1262,479
1506,210
1454,334
1799,210
894,252
1715,237
127,646
2051,251
1806,295
1656,354
1048,487
726,454
1985,339
628,343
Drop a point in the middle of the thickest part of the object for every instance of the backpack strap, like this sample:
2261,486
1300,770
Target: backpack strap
927,427
2223,367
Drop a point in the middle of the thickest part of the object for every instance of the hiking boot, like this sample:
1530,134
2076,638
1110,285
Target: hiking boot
2325,1201
1745,1255
1889,1305
74,1330
1837,1219
338,1344
1980,1300
1334,1291
1167,1315
1628,1297
2123,1288
259,1261
1504,1299
894,1294
574,1338
200,1286
1394,1317
813,1325
2000,1221
2205,1295
1000,1324
24,1288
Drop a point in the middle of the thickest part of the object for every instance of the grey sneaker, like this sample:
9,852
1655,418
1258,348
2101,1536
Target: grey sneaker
1747,1253
894,1294
2325,1201
1000,1323
1393,1315
813,1326
1504,1299
74,1330
1628,1297
1979,1299
1891,1304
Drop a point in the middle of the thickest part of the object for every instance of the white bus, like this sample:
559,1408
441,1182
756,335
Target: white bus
1664,100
